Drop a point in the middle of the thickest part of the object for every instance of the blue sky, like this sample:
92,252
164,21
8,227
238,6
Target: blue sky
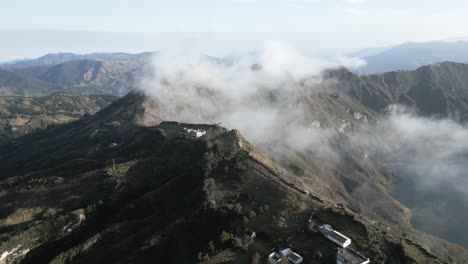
320,25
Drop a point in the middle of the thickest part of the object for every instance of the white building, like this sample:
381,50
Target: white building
194,132
335,236
291,256
349,256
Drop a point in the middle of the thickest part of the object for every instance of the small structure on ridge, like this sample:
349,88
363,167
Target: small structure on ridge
335,236
287,253
350,256
194,133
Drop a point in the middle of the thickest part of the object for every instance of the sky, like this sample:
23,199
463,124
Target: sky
32,28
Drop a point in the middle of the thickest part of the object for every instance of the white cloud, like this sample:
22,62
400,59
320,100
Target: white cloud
257,102
351,62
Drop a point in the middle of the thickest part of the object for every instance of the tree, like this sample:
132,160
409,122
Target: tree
237,208
225,236
251,214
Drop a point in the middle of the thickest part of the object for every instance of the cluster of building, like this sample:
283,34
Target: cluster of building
194,133
345,254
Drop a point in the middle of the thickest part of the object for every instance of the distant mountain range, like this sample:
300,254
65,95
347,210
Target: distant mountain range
439,89
58,58
97,73
407,56
411,55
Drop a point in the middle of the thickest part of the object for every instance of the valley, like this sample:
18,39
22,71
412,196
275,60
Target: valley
22,115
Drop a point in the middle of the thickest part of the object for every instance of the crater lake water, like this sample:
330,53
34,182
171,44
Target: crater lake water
437,195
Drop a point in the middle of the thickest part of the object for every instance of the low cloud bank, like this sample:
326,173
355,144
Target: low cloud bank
259,95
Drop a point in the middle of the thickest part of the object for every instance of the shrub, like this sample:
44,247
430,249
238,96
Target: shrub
237,208
218,150
296,169
251,214
241,155
263,209
225,236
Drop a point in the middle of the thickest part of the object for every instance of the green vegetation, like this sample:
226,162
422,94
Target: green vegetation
296,169
225,237
251,214
218,150
241,156
234,207
22,115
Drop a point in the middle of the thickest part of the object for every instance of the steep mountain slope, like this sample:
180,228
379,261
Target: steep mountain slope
438,89
410,56
59,58
180,199
22,115
355,177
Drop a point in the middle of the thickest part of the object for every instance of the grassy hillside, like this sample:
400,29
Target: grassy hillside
23,115
17,84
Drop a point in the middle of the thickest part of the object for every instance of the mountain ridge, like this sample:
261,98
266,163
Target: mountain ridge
412,55
51,59
438,89
76,76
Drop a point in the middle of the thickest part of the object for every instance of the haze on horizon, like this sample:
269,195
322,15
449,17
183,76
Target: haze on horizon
221,27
